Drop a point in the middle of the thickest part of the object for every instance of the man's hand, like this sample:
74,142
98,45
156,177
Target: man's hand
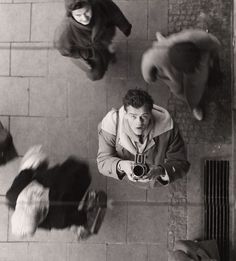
154,172
127,167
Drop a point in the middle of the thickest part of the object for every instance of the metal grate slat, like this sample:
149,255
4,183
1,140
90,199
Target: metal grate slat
216,204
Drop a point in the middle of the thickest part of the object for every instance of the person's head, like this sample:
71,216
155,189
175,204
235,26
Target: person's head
82,12
184,56
31,209
138,106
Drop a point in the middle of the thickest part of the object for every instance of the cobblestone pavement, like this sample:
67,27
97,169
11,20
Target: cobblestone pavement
46,100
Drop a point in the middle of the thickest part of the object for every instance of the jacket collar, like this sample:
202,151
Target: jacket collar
162,123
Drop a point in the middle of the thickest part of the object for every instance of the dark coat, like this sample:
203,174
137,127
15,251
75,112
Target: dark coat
85,41
67,182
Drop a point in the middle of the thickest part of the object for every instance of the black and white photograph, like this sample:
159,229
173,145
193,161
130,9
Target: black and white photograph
117,130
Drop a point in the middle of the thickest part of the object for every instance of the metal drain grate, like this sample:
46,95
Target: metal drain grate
216,204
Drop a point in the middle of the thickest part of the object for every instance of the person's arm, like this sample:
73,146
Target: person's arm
107,159
19,183
118,17
175,165
64,42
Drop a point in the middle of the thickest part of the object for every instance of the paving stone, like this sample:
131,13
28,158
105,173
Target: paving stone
48,97
157,18
14,251
7,174
63,67
87,98
67,137
99,182
46,17
177,223
59,137
195,219
159,194
160,94
3,219
147,224
135,53
28,131
131,252
81,252
120,68
122,191
113,229
134,59
138,19
29,59
197,155
15,96
93,134
17,29
157,252
4,59
38,252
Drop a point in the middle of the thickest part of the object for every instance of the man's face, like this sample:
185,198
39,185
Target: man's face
138,119
83,15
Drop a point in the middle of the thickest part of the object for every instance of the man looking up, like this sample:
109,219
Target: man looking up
140,143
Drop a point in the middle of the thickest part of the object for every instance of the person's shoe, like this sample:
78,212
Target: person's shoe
198,113
82,233
88,201
96,213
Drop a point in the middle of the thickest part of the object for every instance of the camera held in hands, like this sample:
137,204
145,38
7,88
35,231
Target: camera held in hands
140,167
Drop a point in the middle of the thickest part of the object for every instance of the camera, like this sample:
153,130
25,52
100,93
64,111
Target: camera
140,167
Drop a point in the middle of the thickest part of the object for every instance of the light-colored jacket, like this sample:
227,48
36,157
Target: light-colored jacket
187,87
166,148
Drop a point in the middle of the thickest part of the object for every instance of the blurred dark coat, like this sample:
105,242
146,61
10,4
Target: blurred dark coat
67,182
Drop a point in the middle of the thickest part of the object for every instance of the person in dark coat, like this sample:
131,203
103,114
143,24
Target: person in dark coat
86,34
47,197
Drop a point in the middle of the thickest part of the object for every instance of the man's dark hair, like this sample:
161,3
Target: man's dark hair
80,5
185,56
137,98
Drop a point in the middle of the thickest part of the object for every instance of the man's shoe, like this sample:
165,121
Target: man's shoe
96,214
198,113
82,233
